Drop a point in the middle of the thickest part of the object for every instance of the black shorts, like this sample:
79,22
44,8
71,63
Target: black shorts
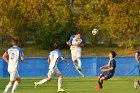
106,75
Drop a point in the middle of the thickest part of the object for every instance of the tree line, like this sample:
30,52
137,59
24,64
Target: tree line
47,21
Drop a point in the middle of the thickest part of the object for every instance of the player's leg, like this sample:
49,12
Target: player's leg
78,57
9,85
50,73
60,89
16,83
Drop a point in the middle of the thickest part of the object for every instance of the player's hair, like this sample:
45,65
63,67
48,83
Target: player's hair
15,40
79,33
113,54
56,45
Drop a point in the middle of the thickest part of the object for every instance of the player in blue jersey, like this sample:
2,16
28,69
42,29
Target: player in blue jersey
53,61
137,57
76,43
15,55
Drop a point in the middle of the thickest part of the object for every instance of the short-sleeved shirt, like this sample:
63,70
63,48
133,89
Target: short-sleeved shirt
15,53
54,56
74,41
138,53
112,63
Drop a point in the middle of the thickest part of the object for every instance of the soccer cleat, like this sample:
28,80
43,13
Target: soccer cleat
35,84
98,88
136,83
61,90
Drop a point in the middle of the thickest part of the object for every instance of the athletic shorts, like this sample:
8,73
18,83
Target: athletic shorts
75,52
51,72
14,75
106,75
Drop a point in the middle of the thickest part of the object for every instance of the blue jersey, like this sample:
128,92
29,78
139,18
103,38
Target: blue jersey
15,53
54,55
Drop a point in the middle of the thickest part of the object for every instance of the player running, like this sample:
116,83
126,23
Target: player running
107,70
76,43
53,61
15,55
137,57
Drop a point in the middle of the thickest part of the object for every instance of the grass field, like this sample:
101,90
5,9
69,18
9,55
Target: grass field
76,85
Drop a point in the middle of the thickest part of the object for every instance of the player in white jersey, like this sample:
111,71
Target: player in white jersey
53,61
76,43
15,55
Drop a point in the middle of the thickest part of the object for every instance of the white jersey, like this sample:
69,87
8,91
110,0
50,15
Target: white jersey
54,55
15,53
74,41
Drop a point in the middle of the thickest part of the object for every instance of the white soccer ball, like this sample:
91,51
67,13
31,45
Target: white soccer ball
95,31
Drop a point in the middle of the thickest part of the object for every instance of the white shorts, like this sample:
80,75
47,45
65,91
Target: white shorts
51,72
14,75
75,53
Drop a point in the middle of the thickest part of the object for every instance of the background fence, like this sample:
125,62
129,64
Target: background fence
38,67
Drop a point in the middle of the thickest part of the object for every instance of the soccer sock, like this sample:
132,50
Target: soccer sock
76,66
100,84
15,86
59,83
42,81
79,63
9,85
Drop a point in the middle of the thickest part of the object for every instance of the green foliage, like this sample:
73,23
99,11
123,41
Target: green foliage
47,21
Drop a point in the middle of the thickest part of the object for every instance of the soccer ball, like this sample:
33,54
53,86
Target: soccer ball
95,31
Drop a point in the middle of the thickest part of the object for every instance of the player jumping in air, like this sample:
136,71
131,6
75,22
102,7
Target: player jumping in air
137,57
76,43
53,61
15,55
107,70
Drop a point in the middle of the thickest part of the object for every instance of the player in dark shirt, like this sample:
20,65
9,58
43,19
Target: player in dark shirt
137,57
107,70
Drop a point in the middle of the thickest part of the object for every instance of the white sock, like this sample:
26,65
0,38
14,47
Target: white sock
15,86
79,63
42,81
59,83
9,85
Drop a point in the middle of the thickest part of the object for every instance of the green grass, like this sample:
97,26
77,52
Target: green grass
76,85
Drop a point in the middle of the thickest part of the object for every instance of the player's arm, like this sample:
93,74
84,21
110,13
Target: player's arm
106,66
64,59
49,60
4,57
70,41
22,58
137,57
21,55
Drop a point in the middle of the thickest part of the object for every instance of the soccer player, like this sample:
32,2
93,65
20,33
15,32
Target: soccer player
15,55
137,57
107,70
53,61
76,43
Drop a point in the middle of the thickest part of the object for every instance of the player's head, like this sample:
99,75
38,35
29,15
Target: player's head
78,35
56,46
112,54
14,41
